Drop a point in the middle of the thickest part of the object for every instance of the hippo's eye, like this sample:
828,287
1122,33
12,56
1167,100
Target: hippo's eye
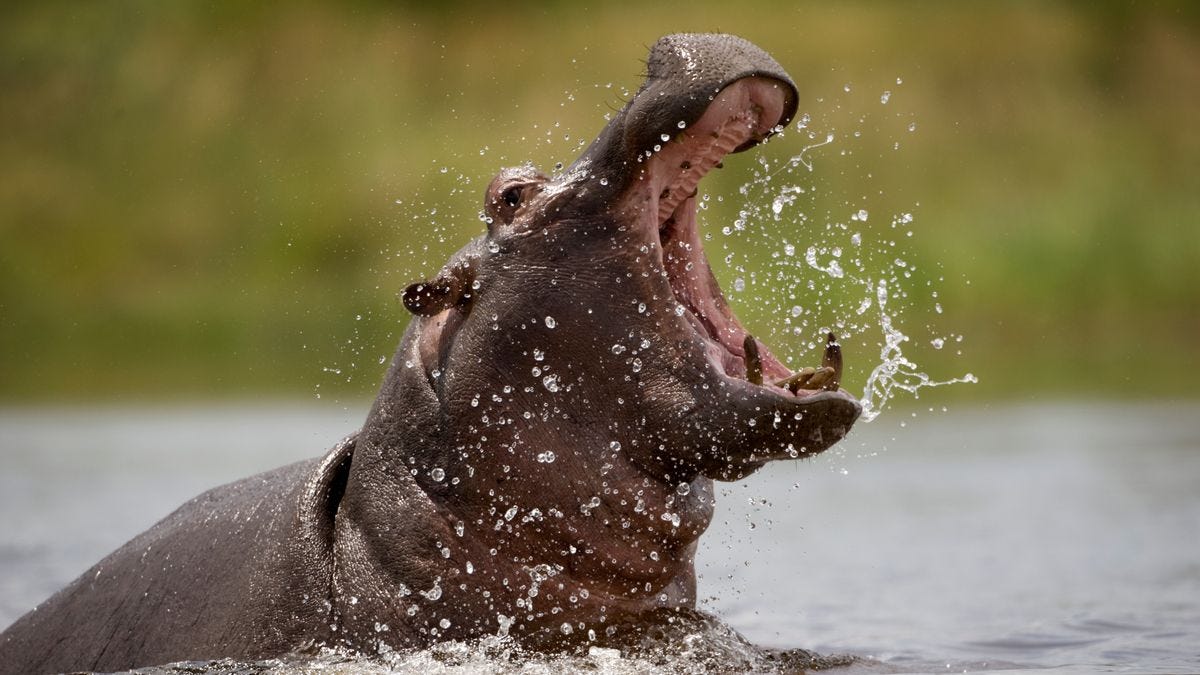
509,192
512,196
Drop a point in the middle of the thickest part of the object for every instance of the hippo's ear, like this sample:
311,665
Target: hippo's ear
453,287
426,298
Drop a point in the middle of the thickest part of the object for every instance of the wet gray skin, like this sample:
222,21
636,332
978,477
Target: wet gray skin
539,460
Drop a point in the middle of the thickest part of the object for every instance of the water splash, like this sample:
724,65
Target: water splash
895,371
857,275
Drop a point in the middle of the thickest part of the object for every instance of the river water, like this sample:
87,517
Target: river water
1052,537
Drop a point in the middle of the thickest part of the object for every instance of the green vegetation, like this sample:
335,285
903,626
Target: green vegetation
224,199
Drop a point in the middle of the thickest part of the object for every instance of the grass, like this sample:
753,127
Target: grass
205,199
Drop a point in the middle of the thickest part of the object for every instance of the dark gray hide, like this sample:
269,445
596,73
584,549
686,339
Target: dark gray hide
539,461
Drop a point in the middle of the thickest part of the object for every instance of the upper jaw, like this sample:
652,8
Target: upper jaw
684,73
740,115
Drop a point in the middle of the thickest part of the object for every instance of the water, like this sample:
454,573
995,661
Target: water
1055,537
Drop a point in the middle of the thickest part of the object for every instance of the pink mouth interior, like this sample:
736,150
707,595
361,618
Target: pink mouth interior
744,111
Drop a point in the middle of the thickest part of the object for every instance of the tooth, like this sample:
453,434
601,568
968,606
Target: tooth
753,360
819,379
797,380
833,359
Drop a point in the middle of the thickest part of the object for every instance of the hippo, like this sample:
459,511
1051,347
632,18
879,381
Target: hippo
539,462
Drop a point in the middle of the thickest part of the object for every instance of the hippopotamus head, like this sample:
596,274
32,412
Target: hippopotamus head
578,365
589,304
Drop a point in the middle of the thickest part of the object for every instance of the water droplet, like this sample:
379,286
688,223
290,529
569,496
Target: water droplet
937,343
566,628
604,181
538,354
438,474
681,124
550,322
884,98
586,509
614,446
637,365
618,348
546,457
550,382
683,489
739,284
444,623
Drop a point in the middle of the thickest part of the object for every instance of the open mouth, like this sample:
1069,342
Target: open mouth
740,115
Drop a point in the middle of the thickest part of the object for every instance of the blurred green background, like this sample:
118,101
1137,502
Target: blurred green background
223,199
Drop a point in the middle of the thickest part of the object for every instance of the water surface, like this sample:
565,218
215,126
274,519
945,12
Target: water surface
1057,537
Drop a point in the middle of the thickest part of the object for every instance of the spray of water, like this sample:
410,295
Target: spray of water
852,277
832,265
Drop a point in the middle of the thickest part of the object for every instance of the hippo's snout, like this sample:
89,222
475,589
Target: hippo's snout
707,96
685,73
698,66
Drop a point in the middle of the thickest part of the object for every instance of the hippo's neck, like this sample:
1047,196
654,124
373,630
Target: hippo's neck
533,531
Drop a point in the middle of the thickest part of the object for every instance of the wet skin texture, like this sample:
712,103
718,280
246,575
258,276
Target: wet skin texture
539,460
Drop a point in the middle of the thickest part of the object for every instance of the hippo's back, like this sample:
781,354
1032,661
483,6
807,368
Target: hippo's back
235,572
